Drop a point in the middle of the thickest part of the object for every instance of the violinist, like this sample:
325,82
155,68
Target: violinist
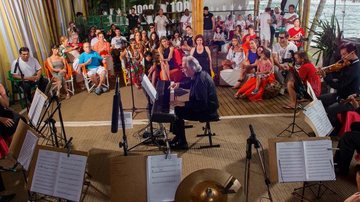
307,73
346,81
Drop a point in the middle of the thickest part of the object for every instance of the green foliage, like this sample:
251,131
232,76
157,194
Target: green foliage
327,41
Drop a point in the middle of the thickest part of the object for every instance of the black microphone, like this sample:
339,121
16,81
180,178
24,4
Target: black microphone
115,109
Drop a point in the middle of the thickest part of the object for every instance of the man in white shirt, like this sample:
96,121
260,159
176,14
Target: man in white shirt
265,22
289,17
28,69
240,21
118,42
185,21
160,23
95,39
282,55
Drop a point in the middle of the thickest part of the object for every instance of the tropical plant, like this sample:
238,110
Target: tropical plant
327,41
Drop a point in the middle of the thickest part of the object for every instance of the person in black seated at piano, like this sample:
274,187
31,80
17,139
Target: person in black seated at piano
203,102
346,82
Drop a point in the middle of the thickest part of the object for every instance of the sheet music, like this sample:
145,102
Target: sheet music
27,149
310,91
163,177
317,118
290,161
36,107
149,88
70,176
58,175
128,120
44,177
319,160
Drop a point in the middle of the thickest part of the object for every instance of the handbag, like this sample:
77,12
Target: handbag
272,89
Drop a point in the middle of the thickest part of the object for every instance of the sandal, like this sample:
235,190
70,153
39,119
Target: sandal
288,107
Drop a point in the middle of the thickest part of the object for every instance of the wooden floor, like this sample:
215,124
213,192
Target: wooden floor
229,106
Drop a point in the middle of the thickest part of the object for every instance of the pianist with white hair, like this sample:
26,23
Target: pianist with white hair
202,104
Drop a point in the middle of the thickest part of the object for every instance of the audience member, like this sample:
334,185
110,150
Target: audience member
202,54
289,17
250,21
134,20
240,22
160,23
104,49
296,34
185,21
265,22
209,26
219,38
57,67
28,68
176,40
188,41
229,27
92,61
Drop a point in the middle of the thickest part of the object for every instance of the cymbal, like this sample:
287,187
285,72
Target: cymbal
208,185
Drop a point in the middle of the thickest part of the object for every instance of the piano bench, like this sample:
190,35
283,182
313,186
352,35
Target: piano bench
208,133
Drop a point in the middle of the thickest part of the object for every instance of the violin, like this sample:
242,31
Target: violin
336,66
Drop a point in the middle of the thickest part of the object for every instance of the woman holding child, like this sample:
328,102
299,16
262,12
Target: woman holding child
253,89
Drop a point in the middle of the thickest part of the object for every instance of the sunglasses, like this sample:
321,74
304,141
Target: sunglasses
282,37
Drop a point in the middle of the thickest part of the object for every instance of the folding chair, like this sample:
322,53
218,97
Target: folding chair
69,80
90,86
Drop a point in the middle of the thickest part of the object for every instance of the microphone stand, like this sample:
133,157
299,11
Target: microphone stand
252,140
133,109
23,85
122,144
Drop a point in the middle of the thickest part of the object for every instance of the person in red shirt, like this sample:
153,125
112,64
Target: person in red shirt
296,34
247,38
307,73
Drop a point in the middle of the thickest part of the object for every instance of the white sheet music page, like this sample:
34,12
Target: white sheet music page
128,120
316,114
290,161
70,176
44,177
27,149
319,160
163,177
36,107
149,88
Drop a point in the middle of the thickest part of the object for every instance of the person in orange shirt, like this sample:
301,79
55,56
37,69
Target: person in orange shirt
104,49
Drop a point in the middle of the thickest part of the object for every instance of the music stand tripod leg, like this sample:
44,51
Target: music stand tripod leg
249,143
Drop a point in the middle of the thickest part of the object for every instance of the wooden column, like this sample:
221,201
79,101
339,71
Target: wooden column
305,20
197,7
301,3
256,12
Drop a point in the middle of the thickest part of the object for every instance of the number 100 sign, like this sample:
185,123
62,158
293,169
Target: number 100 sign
178,6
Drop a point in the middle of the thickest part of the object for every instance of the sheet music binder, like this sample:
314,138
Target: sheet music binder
315,115
19,137
275,170
56,174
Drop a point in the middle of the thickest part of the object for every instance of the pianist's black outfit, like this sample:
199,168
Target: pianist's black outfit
202,104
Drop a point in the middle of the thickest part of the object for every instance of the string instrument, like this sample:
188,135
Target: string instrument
336,66
357,98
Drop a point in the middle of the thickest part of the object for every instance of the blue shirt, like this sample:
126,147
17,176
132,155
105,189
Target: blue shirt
96,59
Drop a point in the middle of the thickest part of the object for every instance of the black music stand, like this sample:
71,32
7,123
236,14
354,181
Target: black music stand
291,127
150,93
252,140
134,109
50,122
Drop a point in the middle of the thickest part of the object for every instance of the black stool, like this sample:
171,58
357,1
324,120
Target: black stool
207,132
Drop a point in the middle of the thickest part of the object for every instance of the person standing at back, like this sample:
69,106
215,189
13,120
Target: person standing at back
160,23
202,54
209,26
133,19
265,22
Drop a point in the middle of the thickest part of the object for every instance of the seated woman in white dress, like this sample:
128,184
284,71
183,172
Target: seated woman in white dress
231,66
